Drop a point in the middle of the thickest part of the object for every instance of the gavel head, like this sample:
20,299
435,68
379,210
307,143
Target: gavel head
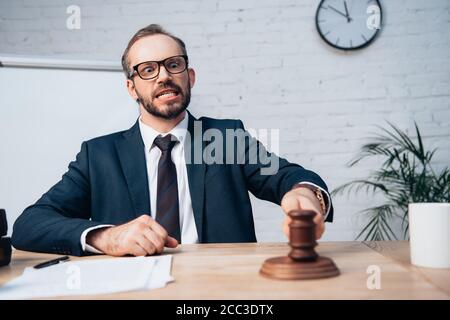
302,235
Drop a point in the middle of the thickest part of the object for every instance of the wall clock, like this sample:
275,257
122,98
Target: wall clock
348,24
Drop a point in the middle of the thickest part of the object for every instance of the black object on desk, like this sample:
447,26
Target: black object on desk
51,262
5,242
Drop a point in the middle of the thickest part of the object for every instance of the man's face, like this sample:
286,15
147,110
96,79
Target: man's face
167,95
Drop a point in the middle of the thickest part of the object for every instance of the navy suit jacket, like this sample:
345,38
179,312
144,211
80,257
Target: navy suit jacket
107,184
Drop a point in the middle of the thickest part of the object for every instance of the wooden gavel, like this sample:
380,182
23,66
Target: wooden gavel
302,262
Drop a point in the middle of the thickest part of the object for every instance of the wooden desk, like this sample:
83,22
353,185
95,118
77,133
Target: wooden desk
230,271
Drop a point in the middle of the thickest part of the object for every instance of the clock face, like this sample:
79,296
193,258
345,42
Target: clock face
348,24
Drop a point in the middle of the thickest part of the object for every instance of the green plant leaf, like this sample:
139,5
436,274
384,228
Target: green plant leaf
405,176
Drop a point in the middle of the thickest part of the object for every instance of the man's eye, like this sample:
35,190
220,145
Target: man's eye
173,65
148,69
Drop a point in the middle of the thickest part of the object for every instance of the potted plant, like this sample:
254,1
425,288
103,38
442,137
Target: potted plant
405,176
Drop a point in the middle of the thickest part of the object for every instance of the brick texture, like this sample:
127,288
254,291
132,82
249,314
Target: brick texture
264,62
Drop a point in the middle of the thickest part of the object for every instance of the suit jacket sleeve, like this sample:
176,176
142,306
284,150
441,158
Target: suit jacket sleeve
272,184
56,221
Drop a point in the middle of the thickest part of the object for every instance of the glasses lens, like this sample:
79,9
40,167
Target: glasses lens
175,64
148,70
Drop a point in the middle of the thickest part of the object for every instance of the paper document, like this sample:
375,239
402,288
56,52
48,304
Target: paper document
89,277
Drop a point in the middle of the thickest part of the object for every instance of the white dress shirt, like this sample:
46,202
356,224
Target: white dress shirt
152,154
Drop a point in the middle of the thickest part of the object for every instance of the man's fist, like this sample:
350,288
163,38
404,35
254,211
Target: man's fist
302,199
139,237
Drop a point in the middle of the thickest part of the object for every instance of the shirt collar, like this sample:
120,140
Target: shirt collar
149,134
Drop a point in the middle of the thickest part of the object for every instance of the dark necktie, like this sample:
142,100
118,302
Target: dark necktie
167,208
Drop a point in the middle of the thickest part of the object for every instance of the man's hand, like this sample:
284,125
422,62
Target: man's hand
139,237
302,199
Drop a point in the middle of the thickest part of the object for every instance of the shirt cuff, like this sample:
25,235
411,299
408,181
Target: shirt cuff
323,192
84,246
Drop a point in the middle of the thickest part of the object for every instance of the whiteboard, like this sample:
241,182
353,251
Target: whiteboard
45,115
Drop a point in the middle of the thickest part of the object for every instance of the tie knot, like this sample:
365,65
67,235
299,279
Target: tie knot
165,143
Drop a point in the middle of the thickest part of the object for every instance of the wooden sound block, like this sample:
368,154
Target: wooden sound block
285,268
303,262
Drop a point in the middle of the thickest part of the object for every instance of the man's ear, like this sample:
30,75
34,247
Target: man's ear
191,74
132,89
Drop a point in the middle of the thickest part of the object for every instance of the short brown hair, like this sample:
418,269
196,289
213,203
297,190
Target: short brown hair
145,32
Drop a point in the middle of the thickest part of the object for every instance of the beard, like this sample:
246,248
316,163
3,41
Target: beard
169,110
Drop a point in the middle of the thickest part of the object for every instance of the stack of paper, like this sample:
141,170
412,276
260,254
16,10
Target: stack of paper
88,277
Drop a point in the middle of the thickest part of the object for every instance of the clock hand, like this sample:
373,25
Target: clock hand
342,14
346,12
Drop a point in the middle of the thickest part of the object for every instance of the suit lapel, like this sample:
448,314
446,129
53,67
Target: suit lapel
131,151
196,172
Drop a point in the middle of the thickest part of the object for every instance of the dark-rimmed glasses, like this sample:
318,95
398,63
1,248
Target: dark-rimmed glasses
150,69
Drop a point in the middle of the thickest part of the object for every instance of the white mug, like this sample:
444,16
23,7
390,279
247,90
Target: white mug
429,232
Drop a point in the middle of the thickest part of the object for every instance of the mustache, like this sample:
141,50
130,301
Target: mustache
167,85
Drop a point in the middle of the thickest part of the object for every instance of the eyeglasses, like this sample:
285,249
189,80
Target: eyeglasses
150,69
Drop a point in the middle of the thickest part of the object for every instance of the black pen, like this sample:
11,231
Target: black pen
51,262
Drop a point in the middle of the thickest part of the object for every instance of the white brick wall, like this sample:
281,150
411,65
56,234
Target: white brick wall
263,62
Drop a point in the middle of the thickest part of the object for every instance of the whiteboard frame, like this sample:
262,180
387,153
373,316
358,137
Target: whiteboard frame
52,63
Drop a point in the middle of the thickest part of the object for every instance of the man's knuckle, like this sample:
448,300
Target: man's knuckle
151,249
145,218
164,234
141,226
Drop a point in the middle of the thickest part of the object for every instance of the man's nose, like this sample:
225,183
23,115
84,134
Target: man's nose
164,75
